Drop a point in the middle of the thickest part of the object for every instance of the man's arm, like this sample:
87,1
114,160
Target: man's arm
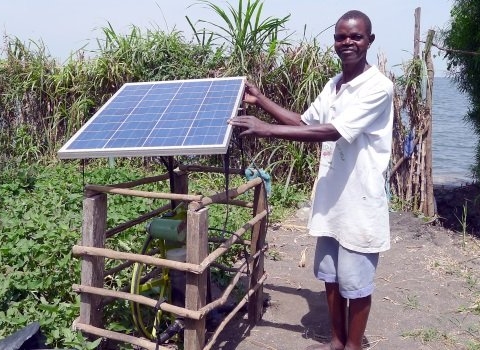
306,133
253,96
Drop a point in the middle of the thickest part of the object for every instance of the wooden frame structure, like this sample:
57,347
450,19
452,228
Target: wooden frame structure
93,295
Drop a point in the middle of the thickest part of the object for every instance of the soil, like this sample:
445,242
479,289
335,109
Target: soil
427,292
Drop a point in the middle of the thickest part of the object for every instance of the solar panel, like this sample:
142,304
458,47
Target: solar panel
179,117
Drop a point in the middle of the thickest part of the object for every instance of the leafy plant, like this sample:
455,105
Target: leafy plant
250,38
41,220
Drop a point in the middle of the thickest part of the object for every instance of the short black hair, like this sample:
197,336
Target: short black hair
355,14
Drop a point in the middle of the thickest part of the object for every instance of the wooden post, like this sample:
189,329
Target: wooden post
196,288
180,184
416,38
93,235
255,302
429,210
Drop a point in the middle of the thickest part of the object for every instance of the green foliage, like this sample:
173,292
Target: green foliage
41,221
301,74
150,56
463,40
41,210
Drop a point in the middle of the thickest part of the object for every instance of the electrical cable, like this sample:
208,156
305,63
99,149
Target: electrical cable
83,171
157,326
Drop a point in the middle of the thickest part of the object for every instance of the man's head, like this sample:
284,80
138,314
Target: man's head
353,36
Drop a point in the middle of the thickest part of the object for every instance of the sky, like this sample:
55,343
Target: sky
65,26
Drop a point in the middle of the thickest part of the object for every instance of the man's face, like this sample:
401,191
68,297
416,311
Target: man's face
352,41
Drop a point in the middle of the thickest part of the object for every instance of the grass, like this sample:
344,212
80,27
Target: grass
411,302
427,335
463,222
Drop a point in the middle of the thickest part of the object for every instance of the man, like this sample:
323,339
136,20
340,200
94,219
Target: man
352,117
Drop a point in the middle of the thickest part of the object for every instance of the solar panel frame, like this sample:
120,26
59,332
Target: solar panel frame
142,119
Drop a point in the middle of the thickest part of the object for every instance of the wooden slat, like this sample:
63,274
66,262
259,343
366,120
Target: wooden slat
144,194
100,332
150,260
140,299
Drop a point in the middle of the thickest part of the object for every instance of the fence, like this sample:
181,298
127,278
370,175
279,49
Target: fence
94,295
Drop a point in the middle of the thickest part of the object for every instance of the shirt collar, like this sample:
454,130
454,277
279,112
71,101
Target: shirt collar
370,72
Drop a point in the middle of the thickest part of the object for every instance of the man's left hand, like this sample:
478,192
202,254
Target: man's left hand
252,125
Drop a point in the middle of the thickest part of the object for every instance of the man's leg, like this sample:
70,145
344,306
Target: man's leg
326,255
337,309
358,311
356,273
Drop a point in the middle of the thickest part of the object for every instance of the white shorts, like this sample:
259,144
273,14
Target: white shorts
353,271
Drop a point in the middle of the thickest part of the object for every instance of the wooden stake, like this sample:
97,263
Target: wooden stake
430,200
209,169
93,235
139,220
416,38
255,303
145,194
229,317
196,288
224,196
232,240
144,181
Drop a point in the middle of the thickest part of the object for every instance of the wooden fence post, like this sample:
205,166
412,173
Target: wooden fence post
255,302
93,235
196,288
180,184
429,210
416,34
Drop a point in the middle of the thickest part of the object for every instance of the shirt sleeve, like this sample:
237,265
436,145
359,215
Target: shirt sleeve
363,112
317,113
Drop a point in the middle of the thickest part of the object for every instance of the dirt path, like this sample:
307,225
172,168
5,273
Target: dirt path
427,292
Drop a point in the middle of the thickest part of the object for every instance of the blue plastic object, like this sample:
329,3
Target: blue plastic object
252,173
408,144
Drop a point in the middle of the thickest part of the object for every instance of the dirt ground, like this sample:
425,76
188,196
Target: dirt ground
427,288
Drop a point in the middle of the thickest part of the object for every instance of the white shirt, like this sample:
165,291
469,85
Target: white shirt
350,203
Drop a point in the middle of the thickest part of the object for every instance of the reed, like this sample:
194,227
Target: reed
44,102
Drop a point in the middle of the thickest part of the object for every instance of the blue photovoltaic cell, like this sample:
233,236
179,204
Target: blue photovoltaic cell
161,118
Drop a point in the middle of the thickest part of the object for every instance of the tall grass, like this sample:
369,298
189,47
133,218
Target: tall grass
251,41
43,102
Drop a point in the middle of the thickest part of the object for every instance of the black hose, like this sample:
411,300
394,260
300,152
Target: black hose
175,328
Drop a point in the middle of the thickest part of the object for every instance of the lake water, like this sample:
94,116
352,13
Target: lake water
454,141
